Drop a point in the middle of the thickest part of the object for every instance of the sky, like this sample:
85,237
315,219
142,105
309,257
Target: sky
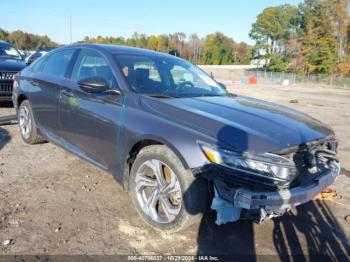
122,17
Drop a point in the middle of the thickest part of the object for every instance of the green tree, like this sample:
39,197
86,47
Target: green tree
324,57
26,41
217,50
323,35
339,14
308,45
242,53
214,49
3,35
313,38
273,28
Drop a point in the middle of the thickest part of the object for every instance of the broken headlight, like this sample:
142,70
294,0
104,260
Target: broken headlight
266,165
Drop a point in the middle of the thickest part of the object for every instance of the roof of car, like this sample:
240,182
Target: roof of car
4,42
46,49
124,49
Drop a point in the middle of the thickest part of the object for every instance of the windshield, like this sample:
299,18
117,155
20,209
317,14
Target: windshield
8,51
166,76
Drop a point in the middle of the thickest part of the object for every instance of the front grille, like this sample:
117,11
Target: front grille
6,88
237,179
7,75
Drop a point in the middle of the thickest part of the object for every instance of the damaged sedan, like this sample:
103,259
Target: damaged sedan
176,140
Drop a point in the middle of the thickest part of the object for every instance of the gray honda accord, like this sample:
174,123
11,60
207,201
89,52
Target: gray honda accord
176,140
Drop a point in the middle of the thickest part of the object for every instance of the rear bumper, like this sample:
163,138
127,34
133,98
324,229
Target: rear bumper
278,200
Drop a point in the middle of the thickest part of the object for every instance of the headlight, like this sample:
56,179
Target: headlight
267,165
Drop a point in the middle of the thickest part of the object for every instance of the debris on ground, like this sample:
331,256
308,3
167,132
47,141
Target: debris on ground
86,188
294,101
328,194
7,242
58,229
13,222
347,219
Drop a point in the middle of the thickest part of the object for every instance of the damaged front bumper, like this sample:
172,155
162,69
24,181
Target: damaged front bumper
262,205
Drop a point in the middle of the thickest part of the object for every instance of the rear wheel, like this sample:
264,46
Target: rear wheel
166,195
27,125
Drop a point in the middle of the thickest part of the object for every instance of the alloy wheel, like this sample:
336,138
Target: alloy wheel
25,122
158,191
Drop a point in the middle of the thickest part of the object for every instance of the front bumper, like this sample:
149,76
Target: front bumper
279,200
5,98
6,88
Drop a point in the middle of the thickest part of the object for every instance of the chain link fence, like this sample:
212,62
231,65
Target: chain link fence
247,74
286,79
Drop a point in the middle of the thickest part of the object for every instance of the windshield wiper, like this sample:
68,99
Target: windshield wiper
209,95
218,95
160,96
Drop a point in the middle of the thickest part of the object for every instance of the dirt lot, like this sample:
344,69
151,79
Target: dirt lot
51,202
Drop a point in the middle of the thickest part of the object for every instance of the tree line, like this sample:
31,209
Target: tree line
214,49
26,41
311,38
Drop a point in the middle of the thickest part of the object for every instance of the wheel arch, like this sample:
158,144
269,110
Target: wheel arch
20,99
141,143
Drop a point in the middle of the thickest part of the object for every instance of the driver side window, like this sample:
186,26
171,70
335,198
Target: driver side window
92,64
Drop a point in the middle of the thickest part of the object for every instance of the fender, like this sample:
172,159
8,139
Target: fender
138,139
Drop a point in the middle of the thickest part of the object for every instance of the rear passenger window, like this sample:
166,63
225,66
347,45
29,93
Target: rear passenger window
91,64
57,63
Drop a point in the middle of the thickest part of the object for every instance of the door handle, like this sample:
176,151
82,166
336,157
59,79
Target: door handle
67,93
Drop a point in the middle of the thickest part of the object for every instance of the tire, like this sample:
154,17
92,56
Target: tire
27,125
187,195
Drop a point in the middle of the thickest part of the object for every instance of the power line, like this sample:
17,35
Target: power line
70,29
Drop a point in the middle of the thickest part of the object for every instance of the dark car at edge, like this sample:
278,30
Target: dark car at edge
173,136
37,54
11,62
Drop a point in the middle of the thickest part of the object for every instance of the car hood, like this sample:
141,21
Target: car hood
11,65
241,123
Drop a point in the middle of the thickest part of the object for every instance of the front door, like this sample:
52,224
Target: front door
90,122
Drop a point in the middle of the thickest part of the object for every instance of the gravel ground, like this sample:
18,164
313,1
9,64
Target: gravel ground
51,202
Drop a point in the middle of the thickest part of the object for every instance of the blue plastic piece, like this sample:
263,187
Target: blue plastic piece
226,212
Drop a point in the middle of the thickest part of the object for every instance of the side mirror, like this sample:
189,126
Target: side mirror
30,60
93,84
114,92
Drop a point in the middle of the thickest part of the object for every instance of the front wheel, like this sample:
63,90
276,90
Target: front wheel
166,195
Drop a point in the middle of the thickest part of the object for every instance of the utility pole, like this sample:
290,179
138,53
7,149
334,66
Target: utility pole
70,29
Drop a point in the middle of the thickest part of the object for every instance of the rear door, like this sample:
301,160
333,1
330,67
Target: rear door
46,85
90,122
